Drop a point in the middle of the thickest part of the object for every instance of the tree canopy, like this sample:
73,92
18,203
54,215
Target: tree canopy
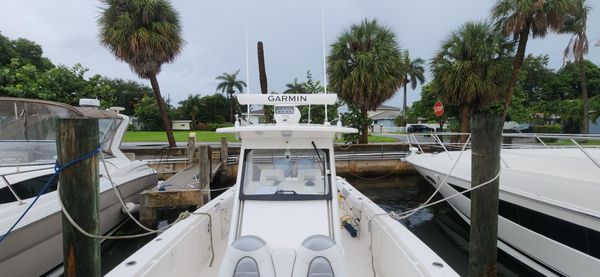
471,68
145,34
365,67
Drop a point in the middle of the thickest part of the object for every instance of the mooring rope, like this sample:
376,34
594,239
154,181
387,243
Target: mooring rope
406,214
445,181
57,169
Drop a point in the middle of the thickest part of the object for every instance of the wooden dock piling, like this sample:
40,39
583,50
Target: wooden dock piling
486,131
79,190
224,152
191,146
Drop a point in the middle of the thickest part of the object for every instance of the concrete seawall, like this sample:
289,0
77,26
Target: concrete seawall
364,160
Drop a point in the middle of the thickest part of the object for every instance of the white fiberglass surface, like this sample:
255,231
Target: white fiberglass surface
285,224
566,177
285,172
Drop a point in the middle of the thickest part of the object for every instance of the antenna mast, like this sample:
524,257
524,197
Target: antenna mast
324,58
247,65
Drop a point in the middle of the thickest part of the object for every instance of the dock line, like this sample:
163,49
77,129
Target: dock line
57,169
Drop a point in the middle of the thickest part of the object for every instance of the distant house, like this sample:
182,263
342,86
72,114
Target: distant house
256,116
181,124
384,116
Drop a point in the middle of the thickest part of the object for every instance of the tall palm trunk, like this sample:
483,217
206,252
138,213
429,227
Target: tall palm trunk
585,96
163,110
262,76
519,57
364,136
465,112
404,105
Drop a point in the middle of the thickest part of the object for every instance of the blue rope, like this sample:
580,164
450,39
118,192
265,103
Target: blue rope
57,169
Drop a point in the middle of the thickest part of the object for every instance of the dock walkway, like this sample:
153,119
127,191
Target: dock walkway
188,187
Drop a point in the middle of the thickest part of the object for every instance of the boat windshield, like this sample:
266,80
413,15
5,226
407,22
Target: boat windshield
280,174
28,131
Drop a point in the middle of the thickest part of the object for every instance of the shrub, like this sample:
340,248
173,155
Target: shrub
202,126
215,126
548,129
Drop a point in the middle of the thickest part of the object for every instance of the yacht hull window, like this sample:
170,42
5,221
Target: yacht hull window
286,174
27,189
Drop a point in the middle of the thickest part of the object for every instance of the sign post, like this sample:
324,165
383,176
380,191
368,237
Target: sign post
438,110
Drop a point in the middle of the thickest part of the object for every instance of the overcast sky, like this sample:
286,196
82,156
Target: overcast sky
290,30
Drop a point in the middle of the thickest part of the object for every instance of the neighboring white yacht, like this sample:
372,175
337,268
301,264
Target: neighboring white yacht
549,203
28,153
287,215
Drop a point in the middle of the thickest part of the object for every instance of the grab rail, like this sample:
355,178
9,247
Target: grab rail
538,137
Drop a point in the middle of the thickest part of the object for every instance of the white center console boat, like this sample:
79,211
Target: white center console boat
287,215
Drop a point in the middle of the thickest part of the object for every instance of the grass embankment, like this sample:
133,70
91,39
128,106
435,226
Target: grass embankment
377,139
204,136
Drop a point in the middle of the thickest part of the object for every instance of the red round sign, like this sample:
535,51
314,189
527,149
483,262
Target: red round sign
438,108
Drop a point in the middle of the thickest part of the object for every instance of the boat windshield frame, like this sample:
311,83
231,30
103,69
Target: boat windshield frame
287,195
38,120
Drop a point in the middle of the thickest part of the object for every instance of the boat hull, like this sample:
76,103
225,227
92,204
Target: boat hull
36,248
541,253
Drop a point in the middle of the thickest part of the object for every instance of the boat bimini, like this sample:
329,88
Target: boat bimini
287,215
28,153
549,213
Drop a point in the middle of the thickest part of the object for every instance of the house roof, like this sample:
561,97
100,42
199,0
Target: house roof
387,108
385,115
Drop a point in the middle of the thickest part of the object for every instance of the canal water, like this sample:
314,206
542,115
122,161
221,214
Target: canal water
438,226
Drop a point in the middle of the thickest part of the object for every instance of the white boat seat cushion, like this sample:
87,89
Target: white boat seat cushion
246,267
271,175
320,267
314,175
248,256
319,256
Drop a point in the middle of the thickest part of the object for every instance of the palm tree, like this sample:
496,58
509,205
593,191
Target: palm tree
521,18
471,68
577,48
415,73
295,87
191,107
145,34
365,68
229,83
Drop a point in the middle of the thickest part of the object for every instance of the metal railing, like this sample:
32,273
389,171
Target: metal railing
435,141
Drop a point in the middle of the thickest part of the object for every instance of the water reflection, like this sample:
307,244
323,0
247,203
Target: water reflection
439,226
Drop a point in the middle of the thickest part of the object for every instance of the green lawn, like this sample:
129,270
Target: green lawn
180,136
381,139
206,136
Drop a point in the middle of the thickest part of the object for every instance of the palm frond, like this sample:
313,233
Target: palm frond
144,33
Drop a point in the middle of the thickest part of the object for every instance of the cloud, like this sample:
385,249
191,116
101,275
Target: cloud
290,30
